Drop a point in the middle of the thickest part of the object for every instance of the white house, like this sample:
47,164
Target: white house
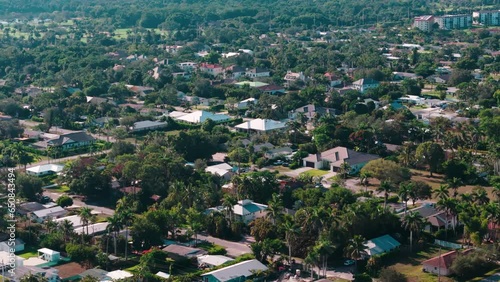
49,255
118,275
202,116
293,76
278,152
362,85
334,158
212,260
235,272
381,245
247,210
94,229
261,125
53,212
46,169
51,274
75,220
187,66
244,104
441,265
223,170
147,125
213,69
257,72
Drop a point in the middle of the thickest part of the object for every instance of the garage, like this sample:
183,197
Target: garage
310,164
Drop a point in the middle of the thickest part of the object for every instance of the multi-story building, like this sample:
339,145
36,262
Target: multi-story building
454,21
424,23
488,18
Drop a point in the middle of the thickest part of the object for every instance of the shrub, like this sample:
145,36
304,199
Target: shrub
391,275
64,201
217,250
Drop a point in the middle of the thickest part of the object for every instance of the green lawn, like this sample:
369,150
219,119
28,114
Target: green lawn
28,252
59,189
315,172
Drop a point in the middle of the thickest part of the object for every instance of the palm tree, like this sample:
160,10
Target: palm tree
85,214
50,225
33,278
442,192
275,208
290,231
385,187
413,222
454,184
480,196
356,248
114,225
449,206
345,168
228,203
405,190
127,218
66,228
467,198
324,248
364,176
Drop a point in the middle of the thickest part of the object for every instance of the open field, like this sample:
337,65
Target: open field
315,172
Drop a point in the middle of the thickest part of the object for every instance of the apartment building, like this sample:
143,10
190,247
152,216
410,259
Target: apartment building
454,21
487,18
424,23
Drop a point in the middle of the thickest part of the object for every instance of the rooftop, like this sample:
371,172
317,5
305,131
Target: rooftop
237,270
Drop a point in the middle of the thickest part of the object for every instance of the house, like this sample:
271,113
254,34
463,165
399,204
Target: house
236,272
67,141
292,77
25,208
46,169
97,273
212,69
278,152
435,218
234,72
381,245
310,112
94,229
182,252
272,89
187,66
212,260
223,170
257,72
251,84
16,244
118,275
202,116
261,147
439,78
49,273
245,104
261,125
140,90
247,210
148,125
399,76
362,85
49,255
334,158
334,79
76,220
53,212
441,264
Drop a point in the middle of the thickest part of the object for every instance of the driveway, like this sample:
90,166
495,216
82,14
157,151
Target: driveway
78,204
234,249
295,173
54,161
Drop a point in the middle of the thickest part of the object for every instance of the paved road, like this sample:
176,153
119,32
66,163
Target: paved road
77,203
234,249
52,161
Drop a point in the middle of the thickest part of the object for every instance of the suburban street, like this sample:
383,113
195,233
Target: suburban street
234,249
78,203
50,161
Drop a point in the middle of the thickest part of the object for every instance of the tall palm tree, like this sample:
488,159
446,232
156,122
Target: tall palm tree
275,208
480,196
127,218
356,248
345,169
364,176
449,206
228,203
442,192
454,184
324,248
404,192
413,222
291,230
85,214
66,228
50,225
385,187
114,225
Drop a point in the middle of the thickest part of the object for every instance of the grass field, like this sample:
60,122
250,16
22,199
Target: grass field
59,189
315,172
121,33
28,252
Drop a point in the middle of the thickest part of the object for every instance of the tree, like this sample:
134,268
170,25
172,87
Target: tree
413,222
431,154
385,187
356,248
28,186
64,201
404,192
33,278
420,191
196,221
66,228
127,218
385,170
345,168
85,214
262,228
442,192
275,208
290,232
114,225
